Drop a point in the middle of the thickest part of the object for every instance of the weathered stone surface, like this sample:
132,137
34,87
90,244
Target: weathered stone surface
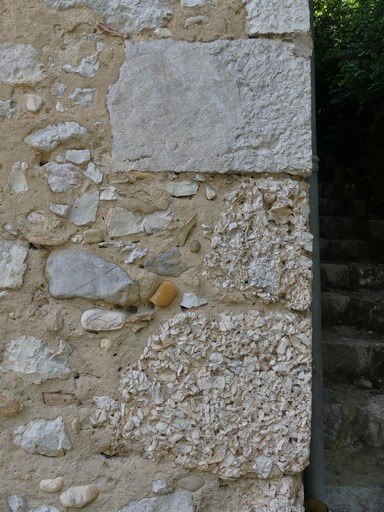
19,64
191,300
52,484
61,210
44,508
225,106
12,266
264,236
51,136
34,103
190,483
18,503
161,487
45,437
82,97
121,222
17,180
129,16
84,209
33,360
180,501
62,177
233,394
93,173
93,236
73,273
95,320
59,399
274,16
79,496
180,188
167,263
6,110
78,156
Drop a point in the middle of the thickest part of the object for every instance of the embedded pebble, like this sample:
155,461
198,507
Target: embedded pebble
161,487
78,156
62,177
106,344
34,103
195,246
167,263
190,483
180,188
51,136
76,425
210,193
162,33
12,266
9,406
52,484
109,193
83,211
61,210
133,252
165,294
93,236
45,437
79,496
196,20
18,503
191,300
17,180
95,320
93,173
6,110
82,97
77,239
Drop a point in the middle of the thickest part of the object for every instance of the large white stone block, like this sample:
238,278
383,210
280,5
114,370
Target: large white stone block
277,17
225,106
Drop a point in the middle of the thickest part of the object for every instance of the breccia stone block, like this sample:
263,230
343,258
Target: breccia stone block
276,17
225,106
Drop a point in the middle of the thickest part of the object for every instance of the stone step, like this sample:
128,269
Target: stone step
354,356
345,191
342,228
353,417
343,250
352,276
364,308
338,208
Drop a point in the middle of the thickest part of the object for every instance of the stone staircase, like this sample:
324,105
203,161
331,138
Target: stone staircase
352,274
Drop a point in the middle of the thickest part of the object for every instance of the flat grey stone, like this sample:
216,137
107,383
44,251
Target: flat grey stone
276,17
84,209
74,273
45,437
177,501
33,360
12,266
19,64
62,177
51,136
224,106
129,16
167,263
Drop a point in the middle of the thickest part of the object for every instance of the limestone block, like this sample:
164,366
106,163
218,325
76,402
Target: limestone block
45,437
276,17
33,360
12,266
129,16
225,106
73,273
228,394
19,64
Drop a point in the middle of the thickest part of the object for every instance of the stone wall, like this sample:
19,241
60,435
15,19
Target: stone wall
155,257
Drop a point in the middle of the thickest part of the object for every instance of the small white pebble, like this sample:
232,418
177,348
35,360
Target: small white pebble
52,484
106,344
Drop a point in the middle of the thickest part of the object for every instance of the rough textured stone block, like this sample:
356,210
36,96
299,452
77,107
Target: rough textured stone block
275,16
225,106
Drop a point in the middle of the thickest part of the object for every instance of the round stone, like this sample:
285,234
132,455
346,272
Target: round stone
190,483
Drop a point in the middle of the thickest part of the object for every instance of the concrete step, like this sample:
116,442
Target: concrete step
344,250
352,356
343,228
364,308
354,479
352,276
353,417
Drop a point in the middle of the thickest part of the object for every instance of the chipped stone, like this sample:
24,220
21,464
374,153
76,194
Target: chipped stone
36,217
52,484
59,399
84,209
62,177
31,359
106,344
121,222
48,138
61,210
191,300
95,320
18,503
60,107
133,252
128,16
10,229
196,20
197,3
276,17
162,33
87,67
179,500
82,97
93,236
34,103
75,273
76,425
12,263
77,239
180,188
109,193
190,483
17,180
19,64
167,263
78,156
6,110
93,173
45,437
215,124
58,89
79,496
210,194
